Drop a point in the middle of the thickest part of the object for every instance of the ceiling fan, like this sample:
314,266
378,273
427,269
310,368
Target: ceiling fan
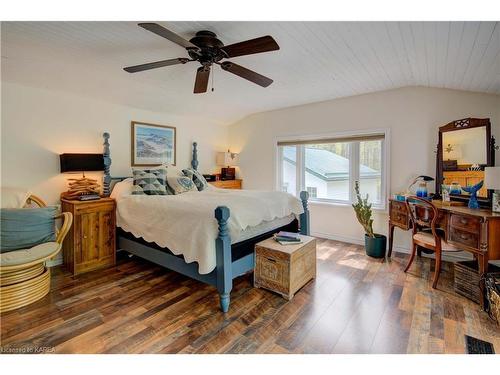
208,50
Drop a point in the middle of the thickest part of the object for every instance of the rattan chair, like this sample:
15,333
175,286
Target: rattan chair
24,278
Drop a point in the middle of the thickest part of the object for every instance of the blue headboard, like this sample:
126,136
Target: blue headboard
108,180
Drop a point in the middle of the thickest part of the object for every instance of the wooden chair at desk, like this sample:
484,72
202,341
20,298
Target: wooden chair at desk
424,215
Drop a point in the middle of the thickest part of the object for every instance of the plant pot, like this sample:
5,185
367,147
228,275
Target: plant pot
375,246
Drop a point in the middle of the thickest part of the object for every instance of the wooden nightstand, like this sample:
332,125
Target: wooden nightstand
90,243
227,184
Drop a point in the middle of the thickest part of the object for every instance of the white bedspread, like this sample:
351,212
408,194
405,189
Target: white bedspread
186,223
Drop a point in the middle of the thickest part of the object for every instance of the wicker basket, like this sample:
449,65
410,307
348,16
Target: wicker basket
467,279
492,286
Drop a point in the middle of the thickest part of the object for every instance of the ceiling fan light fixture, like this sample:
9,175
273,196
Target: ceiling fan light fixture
207,49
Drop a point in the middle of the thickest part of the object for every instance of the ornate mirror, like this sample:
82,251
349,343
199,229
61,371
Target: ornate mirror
465,148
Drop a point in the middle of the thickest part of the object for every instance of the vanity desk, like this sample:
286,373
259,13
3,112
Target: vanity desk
474,230
465,148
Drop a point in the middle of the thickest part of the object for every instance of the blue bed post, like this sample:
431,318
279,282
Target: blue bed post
223,256
107,164
194,160
304,217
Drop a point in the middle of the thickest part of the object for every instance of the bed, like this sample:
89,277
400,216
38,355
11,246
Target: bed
208,235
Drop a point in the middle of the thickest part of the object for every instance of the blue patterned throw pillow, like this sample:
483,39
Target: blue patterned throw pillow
197,178
180,185
150,182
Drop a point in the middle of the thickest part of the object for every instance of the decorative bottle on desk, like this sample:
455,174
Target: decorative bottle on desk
445,193
455,188
422,190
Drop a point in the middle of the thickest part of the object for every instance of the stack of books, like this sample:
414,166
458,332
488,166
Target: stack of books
287,238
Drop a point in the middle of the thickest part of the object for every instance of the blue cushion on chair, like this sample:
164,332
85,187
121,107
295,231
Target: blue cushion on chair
23,228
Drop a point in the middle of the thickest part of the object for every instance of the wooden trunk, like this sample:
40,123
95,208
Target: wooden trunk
90,243
284,269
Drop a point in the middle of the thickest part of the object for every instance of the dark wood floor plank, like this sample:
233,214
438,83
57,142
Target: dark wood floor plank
356,304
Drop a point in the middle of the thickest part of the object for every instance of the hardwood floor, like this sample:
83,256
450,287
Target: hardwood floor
356,305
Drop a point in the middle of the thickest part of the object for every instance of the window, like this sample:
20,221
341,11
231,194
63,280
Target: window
328,168
313,191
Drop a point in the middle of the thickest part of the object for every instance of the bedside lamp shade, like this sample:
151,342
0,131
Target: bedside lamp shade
492,178
492,182
81,162
227,159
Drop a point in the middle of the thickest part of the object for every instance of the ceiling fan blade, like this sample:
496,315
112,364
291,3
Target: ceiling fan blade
201,82
167,34
249,47
154,65
248,74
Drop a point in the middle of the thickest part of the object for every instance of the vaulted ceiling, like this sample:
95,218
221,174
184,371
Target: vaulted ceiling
317,61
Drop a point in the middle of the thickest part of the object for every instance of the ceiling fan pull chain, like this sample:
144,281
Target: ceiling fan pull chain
213,73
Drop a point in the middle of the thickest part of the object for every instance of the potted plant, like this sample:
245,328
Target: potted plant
375,244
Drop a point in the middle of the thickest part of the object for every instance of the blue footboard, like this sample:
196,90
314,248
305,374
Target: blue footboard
227,270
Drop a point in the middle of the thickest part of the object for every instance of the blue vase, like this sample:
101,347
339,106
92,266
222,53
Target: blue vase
422,190
473,201
472,190
455,188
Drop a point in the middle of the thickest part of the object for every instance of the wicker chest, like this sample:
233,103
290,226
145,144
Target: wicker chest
284,269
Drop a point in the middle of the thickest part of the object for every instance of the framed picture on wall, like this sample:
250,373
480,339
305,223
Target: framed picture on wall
153,144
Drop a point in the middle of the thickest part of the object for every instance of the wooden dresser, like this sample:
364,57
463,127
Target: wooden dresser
466,178
475,231
90,243
227,184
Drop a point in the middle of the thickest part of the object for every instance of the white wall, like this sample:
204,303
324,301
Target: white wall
412,114
39,124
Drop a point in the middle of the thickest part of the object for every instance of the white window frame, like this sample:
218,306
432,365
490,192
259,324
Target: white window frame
353,165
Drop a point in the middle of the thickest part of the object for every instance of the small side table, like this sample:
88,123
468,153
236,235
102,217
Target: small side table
285,269
90,243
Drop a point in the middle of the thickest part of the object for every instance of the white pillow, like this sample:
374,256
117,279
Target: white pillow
14,197
122,188
180,184
173,171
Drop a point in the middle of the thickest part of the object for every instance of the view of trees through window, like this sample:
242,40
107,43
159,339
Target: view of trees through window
369,152
328,173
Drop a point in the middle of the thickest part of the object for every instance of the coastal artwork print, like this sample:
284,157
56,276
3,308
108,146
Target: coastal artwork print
152,144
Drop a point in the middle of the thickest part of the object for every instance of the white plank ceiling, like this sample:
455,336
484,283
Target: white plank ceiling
317,61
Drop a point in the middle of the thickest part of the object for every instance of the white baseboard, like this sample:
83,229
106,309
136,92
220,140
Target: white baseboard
452,257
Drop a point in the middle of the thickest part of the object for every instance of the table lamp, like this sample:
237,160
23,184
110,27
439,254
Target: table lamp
81,188
492,182
227,160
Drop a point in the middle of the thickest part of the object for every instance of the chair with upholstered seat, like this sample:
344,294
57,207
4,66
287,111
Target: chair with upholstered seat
24,278
424,216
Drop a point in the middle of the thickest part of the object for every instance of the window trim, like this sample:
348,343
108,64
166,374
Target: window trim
354,166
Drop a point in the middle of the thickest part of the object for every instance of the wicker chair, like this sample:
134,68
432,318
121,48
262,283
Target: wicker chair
24,278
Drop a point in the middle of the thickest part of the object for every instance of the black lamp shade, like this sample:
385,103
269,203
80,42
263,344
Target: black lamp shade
81,162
